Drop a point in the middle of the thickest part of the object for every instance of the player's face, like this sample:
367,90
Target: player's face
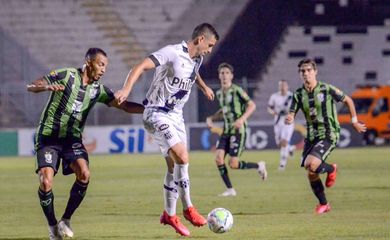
205,45
308,74
226,77
283,87
97,67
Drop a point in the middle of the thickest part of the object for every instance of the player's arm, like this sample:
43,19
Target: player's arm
130,107
207,91
134,74
250,108
41,84
215,117
359,127
296,104
271,107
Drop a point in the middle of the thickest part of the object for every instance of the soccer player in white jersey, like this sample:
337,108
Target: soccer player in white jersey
278,106
176,70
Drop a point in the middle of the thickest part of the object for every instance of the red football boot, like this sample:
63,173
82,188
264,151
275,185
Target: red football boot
322,208
331,178
192,215
174,221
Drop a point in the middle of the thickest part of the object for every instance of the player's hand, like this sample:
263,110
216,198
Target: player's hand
209,93
209,122
121,96
289,118
238,123
55,87
359,127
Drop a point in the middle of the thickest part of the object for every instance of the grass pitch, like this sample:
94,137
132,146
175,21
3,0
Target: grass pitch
124,199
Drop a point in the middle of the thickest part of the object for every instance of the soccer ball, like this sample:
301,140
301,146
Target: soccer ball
220,220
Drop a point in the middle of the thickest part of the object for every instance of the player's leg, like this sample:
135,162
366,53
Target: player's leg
179,154
284,151
170,199
314,162
47,166
288,135
236,147
222,147
317,187
170,188
164,134
76,195
75,161
280,140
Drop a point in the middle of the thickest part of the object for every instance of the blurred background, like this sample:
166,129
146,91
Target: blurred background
263,39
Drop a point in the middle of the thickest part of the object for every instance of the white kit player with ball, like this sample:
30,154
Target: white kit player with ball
176,70
278,106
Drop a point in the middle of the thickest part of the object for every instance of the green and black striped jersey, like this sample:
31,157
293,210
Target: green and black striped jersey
66,111
233,105
320,110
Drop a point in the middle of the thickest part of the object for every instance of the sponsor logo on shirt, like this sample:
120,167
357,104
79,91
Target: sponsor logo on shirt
183,83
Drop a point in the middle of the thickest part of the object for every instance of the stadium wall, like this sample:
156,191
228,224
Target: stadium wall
129,139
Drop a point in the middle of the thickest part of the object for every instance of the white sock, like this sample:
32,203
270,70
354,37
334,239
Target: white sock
283,156
291,148
182,180
170,194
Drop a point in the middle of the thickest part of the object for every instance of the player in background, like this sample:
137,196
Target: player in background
235,108
176,70
59,134
278,106
317,101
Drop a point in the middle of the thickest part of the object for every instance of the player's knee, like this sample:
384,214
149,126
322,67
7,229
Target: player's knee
283,143
182,157
46,183
219,160
83,176
233,164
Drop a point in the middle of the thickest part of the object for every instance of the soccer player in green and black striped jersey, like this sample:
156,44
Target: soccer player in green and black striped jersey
235,108
317,101
59,134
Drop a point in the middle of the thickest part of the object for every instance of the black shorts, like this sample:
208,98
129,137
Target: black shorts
50,151
319,148
233,144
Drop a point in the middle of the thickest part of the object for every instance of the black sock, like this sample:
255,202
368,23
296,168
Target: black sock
77,194
224,174
245,165
324,168
46,199
318,190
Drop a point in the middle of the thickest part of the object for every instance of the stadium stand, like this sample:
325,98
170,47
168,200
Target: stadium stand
349,49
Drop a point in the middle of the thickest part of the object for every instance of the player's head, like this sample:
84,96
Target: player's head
204,38
225,75
283,86
307,69
96,62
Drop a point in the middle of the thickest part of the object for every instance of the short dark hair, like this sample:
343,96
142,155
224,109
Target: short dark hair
92,52
205,28
225,65
307,61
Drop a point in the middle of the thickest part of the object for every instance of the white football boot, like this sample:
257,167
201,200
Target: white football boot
64,228
262,170
54,233
230,192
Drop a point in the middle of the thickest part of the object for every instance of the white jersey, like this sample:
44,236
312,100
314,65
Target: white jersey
281,105
173,79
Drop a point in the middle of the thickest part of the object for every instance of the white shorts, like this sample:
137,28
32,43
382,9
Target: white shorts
283,131
167,129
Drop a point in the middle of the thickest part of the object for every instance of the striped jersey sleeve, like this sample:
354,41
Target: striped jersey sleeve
106,95
57,76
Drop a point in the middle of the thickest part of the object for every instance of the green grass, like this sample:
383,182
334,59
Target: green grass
124,199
